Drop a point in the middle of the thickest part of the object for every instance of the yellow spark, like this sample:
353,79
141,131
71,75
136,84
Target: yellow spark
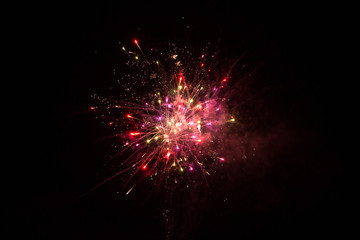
148,140
130,190
136,57
123,48
157,62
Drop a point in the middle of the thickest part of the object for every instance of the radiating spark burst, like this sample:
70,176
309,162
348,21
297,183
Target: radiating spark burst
171,116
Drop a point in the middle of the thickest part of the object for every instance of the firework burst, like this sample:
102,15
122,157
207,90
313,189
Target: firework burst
170,116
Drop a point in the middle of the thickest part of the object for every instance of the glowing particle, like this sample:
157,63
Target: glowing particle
92,108
191,168
148,140
130,190
128,116
134,133
144,167
167,154
135,41
157,62
222,159
123,48
136,57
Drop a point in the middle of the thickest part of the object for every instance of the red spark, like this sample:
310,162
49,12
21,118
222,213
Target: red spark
134,133
135,41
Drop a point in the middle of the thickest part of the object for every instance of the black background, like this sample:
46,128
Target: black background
68,51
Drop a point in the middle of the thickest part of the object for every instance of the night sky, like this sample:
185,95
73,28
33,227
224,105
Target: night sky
290,189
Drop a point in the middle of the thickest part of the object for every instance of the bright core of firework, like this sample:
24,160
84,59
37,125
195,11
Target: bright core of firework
176,128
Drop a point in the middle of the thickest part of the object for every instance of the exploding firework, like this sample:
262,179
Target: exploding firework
169,117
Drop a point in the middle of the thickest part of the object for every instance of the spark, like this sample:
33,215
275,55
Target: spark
127,193
134,133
